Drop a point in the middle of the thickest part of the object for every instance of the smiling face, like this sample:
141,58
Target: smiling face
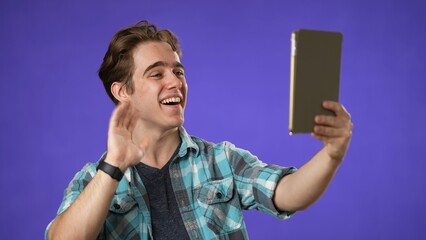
159,86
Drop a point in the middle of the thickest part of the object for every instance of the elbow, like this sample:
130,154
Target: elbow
51,231
296,207
301,207
56,231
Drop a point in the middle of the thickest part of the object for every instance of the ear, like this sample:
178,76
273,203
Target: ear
118,89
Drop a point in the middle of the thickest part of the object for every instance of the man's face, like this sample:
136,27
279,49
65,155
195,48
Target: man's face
159,86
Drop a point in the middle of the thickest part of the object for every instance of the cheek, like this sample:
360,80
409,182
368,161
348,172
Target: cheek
148,91
185,87
185,93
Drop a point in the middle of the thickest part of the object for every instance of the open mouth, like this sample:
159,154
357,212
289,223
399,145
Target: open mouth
171,101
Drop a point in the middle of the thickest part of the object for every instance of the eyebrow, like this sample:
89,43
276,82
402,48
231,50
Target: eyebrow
162,64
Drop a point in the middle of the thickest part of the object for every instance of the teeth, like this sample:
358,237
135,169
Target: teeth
171,100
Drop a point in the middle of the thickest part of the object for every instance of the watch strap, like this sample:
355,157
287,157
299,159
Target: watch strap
111,170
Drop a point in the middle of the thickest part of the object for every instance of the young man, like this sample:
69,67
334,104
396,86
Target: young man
177,186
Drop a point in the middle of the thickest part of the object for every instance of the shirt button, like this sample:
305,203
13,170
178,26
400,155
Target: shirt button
117,206
219,195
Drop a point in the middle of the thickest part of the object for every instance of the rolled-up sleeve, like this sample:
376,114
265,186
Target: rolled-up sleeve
75,187
256,181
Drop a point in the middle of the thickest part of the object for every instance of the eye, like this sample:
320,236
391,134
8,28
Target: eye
156,75
179,73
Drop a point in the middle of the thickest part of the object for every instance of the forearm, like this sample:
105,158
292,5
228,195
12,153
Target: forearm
299,190
85,217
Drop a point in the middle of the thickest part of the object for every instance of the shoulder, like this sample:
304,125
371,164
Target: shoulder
90,168
206,146
200,145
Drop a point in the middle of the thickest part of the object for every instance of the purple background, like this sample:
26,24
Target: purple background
54,111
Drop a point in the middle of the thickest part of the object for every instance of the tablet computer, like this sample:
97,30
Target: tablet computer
314,76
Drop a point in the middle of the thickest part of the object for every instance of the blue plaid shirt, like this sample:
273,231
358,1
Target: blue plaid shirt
213,183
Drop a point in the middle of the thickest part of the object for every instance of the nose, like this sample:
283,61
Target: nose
174,81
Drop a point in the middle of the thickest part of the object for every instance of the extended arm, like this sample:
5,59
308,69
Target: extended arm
86,215
299,190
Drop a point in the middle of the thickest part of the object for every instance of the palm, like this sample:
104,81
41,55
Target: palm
334,131
120,145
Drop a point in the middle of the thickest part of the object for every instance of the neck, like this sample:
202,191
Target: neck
158,145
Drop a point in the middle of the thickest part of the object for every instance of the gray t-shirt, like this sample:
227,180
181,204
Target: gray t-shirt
166,220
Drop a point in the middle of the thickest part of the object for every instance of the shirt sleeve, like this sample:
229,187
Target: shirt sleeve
75,187
256,181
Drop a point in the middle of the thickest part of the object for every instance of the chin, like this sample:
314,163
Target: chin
177,123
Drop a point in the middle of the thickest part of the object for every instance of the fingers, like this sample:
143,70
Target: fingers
333,121
126,117
333,126
132,119
337,108
331,131
117,115
123,116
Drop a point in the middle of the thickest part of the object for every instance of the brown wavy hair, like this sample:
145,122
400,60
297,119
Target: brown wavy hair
118,63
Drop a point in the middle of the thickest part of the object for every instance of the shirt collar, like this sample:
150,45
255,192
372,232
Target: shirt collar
187,143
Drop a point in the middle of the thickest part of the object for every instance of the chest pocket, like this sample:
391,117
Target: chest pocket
123,212
220,205
121,204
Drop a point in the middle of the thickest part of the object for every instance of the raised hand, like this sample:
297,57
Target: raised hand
122,152
334,131
299,190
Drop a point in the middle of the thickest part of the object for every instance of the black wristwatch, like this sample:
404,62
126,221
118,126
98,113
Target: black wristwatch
114,172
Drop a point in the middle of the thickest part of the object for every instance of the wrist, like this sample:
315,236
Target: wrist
332,160
113,171
116,163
